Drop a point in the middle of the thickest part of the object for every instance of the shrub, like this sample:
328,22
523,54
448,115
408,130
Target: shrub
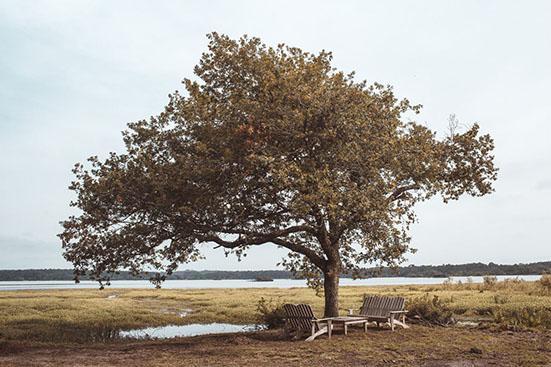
528,316
483,311
500,299
430,310
448,283
489,281
460,310
545,282
270,313
512,284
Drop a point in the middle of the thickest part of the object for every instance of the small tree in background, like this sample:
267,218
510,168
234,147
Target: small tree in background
271,146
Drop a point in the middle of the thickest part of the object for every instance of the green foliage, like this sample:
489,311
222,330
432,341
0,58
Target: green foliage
430,309
525,317
270,313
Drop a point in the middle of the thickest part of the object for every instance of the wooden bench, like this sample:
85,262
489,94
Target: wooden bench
384,309
300,318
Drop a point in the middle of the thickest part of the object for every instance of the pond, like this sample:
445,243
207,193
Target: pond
175,331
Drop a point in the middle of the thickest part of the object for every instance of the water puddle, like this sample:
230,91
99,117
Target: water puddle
174,331
468,324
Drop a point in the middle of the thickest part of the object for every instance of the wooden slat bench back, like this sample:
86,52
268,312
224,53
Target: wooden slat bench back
381,306
299,316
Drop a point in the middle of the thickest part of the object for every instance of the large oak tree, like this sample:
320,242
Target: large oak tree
270,146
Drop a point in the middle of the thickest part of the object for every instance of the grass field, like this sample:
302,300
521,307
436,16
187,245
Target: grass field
68,327
83,315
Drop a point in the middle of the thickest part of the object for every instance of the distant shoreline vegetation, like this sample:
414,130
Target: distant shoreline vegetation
412,271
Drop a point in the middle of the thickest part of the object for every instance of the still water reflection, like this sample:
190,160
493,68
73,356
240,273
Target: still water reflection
174,331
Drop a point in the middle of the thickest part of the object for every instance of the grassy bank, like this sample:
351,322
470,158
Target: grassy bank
84,315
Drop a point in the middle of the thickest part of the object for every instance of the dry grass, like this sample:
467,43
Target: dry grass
83,315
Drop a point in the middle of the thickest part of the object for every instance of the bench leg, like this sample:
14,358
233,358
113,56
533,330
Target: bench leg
396,322
392,322
329,328
365,327
345,328
321,331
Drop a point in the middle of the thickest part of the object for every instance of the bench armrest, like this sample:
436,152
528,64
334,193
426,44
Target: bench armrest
354,315
398,312
324,319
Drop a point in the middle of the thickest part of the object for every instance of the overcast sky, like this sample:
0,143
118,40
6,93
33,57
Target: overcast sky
74,73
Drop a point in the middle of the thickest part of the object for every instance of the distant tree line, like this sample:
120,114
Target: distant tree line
471,269
447,270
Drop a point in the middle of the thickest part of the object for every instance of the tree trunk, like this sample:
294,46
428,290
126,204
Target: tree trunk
331,290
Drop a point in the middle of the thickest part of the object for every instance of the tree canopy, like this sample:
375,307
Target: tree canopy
270,145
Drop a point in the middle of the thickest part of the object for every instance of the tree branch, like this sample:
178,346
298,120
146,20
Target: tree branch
319,261
397,194
273,237
254,238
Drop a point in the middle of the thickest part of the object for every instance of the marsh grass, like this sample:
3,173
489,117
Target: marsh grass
84,315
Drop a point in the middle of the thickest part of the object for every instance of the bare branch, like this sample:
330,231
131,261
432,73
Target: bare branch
309,253
255,238
273,237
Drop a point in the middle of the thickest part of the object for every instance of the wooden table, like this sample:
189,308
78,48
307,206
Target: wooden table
345,321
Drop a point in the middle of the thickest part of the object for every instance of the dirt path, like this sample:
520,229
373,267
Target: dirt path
419,346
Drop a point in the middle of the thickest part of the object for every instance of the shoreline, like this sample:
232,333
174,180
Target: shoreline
247,283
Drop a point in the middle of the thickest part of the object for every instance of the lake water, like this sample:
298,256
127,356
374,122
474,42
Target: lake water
239,283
